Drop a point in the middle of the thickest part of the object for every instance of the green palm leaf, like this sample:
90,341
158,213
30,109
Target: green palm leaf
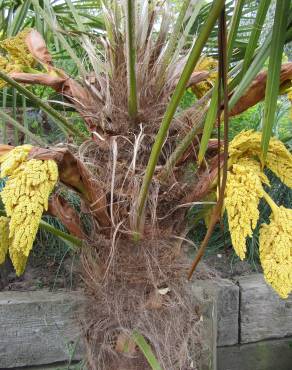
273,78
64,125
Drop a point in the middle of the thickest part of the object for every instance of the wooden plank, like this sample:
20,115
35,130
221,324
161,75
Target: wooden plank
38,327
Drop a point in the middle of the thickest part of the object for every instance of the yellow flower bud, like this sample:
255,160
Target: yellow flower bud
17,50
242,196
279,159
11,160
205,64
4,240
17,57
25,197
276,250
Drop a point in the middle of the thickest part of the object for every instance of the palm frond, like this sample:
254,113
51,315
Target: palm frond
131,58
64,125
273,79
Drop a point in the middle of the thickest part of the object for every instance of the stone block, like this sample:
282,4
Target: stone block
263,313
38,327
266,355
226,294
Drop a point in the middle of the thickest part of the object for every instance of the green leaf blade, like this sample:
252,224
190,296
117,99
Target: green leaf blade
255,33
273,78
61,121
209,123
131,53
17,126
146,350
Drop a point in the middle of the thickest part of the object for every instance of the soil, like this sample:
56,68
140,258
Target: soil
42,274
228,267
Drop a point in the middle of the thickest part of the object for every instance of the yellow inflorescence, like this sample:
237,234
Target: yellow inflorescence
276,251
25,197
242,196
4,239
279,159
17,49
242,143
243,193
205,64
15,54
12,160
4,66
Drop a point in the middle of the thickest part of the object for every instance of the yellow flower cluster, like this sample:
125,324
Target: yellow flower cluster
205,64
279,159
4,240
276,251
25,197
17,49
4,66
13,159
15,54
243,192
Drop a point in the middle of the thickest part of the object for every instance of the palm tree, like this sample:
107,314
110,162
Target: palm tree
132,167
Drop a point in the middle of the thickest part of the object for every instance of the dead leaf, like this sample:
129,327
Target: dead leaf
256,91
66,86
5,149
197,77
55,82
125,344
60,208
38,48
73,173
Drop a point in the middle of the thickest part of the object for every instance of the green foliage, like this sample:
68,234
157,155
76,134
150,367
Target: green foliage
251,119
273,77
187,100
47,245
146,350
248,120
243,29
